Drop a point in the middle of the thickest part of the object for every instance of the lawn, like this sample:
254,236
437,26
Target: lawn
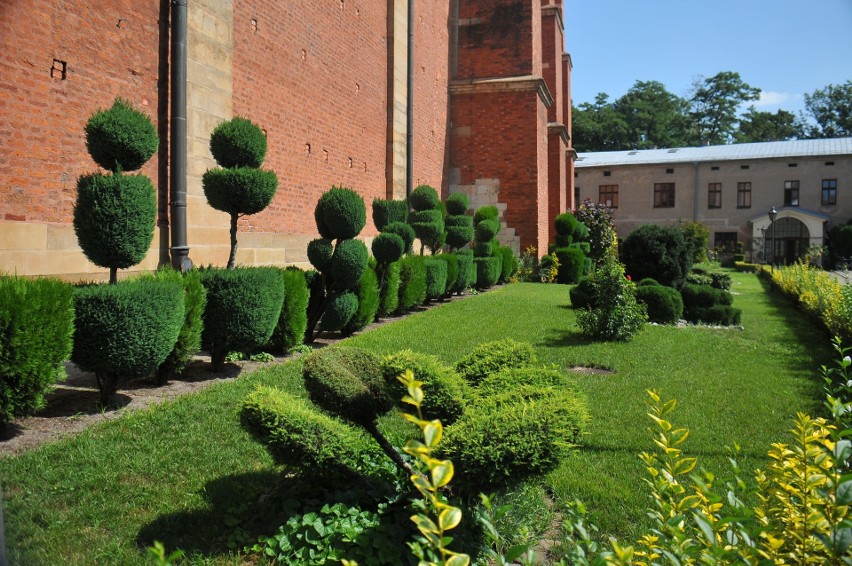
187,474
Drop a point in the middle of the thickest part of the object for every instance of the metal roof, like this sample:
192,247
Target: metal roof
739,152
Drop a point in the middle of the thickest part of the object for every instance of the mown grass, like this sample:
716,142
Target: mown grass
187,474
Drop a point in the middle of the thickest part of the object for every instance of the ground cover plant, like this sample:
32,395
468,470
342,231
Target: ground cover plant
187,474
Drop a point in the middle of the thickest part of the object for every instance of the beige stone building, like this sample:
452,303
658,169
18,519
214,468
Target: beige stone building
730,189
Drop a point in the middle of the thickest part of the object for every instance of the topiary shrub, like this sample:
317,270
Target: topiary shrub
698,279
36,328
583,295
127,329
503,440
488,271
488,260
348,264
616,315
293,320
427,220
659,252
436,278
189,340
405,232
720,280
388,211
664,304
452,262
447,393
339,310
571,264
491,357
459,230
489,212
467,271
648,282
367,292
114,215
412,282
508,265
243,308
389,292
486,230
511,379
704,296
457,204
240,188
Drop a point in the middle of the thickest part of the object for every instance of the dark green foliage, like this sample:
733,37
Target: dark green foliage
389,296
243,190
388,211
695,234
698,279
412,282
293,320
839,243
446,393
491,357
659,252
298,435
127,329
617,314
511,379
452,262
583,294
320,252
648,281
457,204
36,328
720,280
571,264
388,248
461,220
347,382
316,296
404,231
489,212
340,214
121,138
704,296
485,249
424,198
243,308
339,311
436,278
348,263
367,292
564,224
664,304
114,218
428,225
505,439
459,230
508,265
467,272
598,220
487,271
487,230
722,315
561,241
189,340
583,246
238,143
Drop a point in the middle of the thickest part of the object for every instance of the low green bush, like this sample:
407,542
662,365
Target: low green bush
446,392
452,261
467,272
339,310
412,282
698,279
491,357
664,304
583,294
367,292
189,340
571,264
36,328
720,280
505,439
347,382
243,308
510,379
293,320
389,295
617,314
648,282
509,265
488,271
722,315
744,267
704,296
436,278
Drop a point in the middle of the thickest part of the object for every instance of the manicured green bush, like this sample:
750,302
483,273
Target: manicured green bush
509,264
189,340
487,271
300,436
320,252
36,328
459,230
698,279
489,212
347,382
412,282
659,252
389,293
571,263
243,308
704,296
127,329
583,295
339,310
387,211
446,392
487,230
238,143
617,314
424,198
242,191
452,262
511,379
388,248
404,231
427,220
647,282
664,304
316,297
722,315
503,440
564,225
436,278
367,292
293,320
720,280
491,357
467,271
121,138
348,264
457,204
340,214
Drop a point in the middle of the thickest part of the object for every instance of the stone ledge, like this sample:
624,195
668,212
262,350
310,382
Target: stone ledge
504,84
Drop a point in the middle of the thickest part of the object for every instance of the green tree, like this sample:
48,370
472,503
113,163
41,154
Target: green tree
598,127
714,104
654,116
759,126
831,107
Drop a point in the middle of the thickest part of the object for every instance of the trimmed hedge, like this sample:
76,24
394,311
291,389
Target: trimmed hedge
340,214
490,357
452,261
509,264
367,292
121,138
446,393
704,296
243,308
348,264
511,379
583,295
243,190
488,271
722,315
347,382
339,311
388,248
189,340
293,320
387,211
389,295
36,329
571,264
412,282
467,271
436,278
404,231
665,305
238,143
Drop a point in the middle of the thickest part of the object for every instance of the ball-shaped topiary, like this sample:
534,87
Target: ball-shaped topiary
428,225
388,248
348,263
347,382
340,214
457,204
367,292
242,190
664,304
459,230
648,282
571,264
404,231
320,252
339,311
238,143
423,198
114,218
387,211
486,230
489,212
121,138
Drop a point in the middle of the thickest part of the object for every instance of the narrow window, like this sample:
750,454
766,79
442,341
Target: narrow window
664,195
829,192
743,195
791,193
714,195
608,195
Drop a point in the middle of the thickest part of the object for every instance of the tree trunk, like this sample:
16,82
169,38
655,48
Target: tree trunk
107,385
233,258
113,275
390,450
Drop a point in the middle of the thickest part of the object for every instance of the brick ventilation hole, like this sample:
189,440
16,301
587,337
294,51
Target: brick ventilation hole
365,167
325,155
357,12
254,25
304,55
350,163
357,88
342,4
120,23
59,70
263,130
308,149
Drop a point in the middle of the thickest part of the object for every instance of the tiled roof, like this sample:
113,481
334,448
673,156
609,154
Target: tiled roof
740,151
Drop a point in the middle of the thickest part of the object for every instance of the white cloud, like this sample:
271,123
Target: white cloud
769,98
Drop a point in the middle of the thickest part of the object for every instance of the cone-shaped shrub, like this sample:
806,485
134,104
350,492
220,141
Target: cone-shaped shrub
293,320
387,211
436,278
36,328
238,143
367,292
243,307
189,340
121,138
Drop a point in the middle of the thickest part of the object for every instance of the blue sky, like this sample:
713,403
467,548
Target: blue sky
784,47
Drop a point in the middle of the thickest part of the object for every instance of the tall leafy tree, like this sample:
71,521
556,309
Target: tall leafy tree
831,107
654,116
714,104
759,126
598,127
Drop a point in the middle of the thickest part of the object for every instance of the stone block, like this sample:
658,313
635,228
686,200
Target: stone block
23,236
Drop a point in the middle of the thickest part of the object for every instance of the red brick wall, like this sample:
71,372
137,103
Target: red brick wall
552,41
495,38
112,48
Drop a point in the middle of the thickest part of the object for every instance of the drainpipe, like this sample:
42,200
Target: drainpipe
409,116
177,120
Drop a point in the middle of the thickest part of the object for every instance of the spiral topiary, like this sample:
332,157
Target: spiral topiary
388,211
571,248
459,226
240,188
427,220
405,232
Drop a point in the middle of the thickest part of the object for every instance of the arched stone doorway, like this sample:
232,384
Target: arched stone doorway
795,231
